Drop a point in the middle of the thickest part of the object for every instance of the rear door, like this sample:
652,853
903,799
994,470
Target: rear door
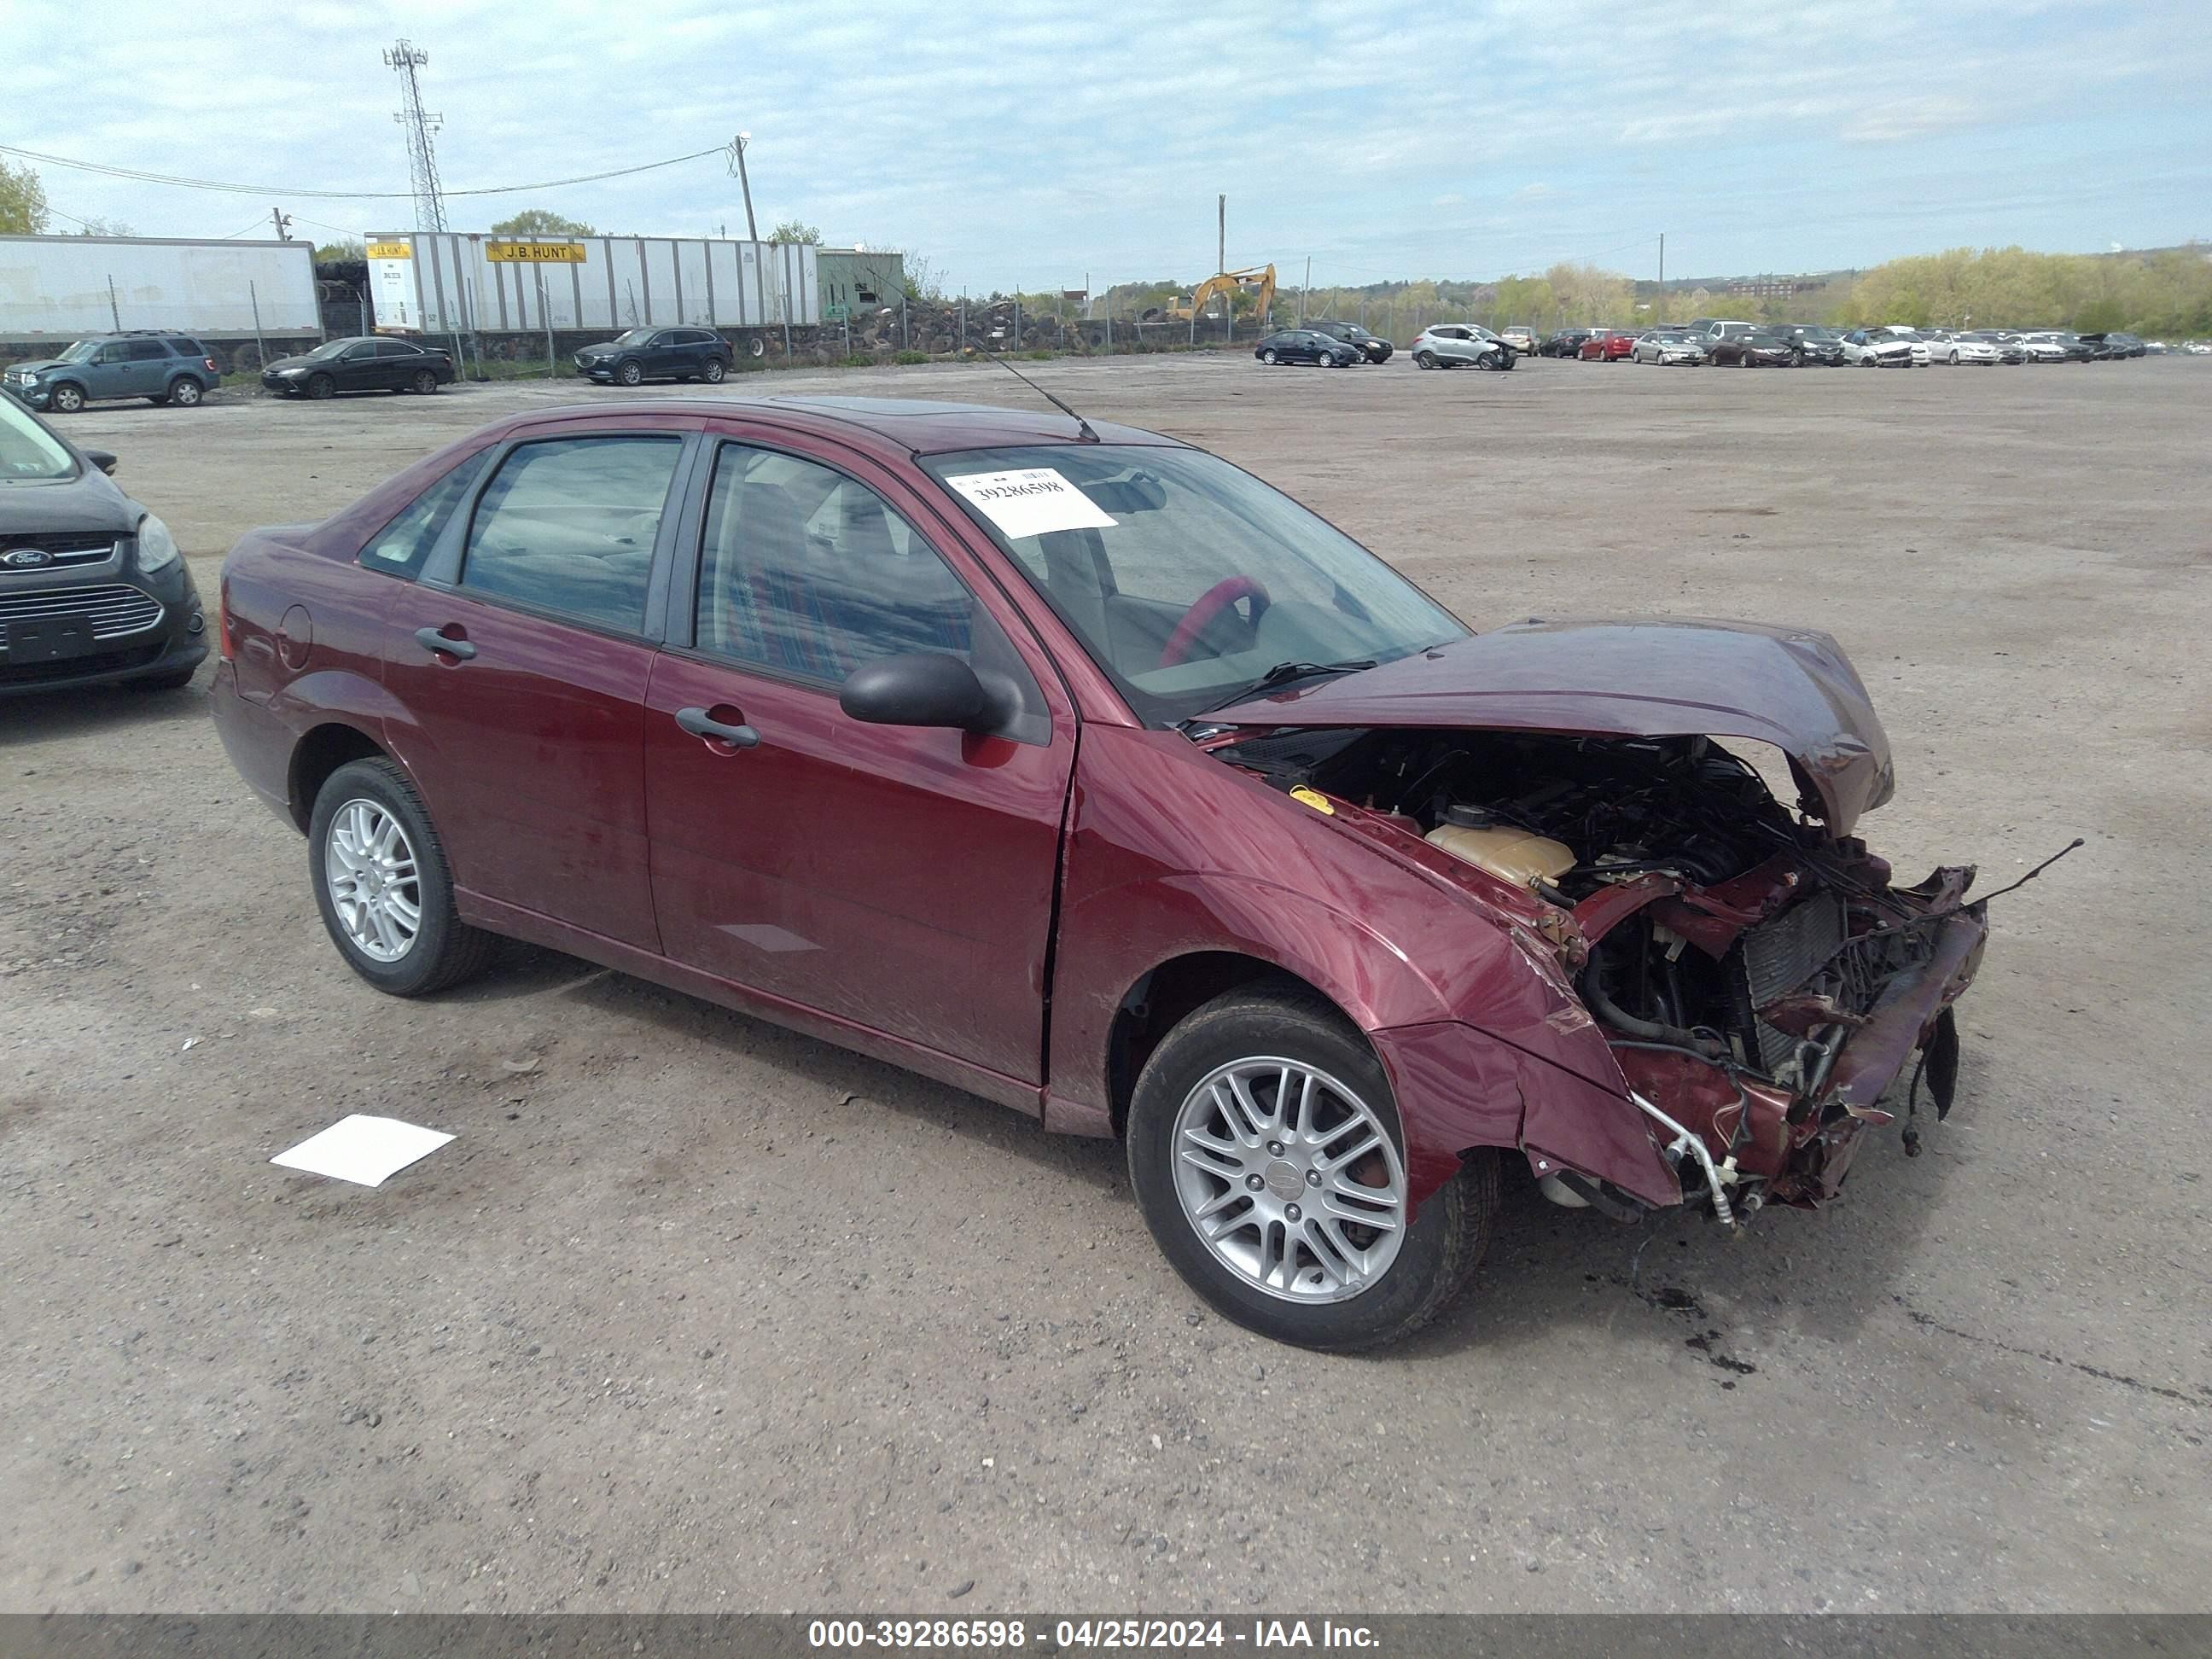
899,878
520,658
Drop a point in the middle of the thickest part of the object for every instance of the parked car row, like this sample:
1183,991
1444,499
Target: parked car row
178,370
1798,345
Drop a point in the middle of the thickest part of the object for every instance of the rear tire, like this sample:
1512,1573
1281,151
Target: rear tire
425,383
713,372
185,393
1425,360
1313,1301
1269,358
442,950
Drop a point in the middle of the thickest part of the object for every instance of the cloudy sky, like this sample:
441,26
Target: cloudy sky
1033,144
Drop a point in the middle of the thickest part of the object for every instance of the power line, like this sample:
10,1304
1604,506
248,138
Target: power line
182,182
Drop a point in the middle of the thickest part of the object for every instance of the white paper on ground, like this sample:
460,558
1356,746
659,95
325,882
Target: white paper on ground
366,1150
1031,502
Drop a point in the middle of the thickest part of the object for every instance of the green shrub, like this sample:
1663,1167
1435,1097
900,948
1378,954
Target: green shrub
911,357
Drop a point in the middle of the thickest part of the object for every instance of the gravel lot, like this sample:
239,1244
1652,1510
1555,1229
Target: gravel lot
696,1314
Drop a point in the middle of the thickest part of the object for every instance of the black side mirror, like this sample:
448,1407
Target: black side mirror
100,459
922,688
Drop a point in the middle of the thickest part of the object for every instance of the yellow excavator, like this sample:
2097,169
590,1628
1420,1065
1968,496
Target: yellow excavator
1258,281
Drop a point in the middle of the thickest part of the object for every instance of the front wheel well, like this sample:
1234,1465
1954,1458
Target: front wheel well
1164,997
319,754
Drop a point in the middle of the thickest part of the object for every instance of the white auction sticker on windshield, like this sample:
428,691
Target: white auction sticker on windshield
1033,501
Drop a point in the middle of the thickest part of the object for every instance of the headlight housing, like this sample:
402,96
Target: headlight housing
157,547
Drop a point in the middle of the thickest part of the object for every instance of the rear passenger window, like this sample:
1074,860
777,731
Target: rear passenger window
568,526
407,540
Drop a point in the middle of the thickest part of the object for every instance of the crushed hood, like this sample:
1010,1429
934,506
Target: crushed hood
1789,687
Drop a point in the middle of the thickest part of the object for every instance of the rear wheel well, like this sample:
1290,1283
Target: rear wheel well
320,753
1164,997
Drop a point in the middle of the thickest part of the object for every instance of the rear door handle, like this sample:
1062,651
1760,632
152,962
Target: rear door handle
431,640
700,723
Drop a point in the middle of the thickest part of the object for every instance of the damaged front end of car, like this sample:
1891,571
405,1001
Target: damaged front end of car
1747,979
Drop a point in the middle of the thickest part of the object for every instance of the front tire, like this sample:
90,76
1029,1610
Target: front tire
66,400
629,375
383,886
1267,1158
322,387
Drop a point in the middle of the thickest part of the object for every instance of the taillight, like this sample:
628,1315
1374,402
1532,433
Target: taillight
210,364
222,622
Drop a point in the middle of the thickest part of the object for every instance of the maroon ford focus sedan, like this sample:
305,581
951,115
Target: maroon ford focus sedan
1084,771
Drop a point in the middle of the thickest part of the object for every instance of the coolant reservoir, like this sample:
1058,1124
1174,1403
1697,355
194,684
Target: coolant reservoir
1512,855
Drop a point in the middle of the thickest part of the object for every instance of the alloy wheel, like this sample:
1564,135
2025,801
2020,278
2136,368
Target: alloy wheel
1290,1179
369,865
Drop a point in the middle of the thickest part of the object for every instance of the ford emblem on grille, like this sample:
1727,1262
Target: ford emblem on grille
25,558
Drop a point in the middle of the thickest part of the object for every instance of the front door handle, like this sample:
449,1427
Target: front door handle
431,640
700,723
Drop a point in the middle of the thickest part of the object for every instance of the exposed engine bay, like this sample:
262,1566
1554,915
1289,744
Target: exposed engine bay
1759,981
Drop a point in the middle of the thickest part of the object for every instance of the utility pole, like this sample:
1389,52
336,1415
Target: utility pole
1221,232
420,124
282,221
1662,313
737,150
1302,291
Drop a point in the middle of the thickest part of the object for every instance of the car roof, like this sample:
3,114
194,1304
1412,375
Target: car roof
913,426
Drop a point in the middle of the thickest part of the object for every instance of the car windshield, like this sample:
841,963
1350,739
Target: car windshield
1186,579
1817,333
633,337
330,349
80,352
28,452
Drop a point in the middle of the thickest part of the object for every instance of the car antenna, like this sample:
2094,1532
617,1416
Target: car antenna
1082,432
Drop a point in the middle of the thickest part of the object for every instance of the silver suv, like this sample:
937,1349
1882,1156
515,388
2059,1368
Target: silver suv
162,368
1460,345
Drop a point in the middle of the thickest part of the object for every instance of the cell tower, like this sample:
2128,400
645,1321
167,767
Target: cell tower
421,155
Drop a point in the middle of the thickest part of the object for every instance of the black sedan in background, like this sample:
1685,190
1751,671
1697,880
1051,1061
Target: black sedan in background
1754,351
657,354
1304,345
361,364
1375,348
1567,342
92,586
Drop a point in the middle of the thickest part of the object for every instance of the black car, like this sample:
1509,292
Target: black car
1756,350
1567,343
1304,345
1811,346
2111,347
1373,347
91,585
162,368
360,364
657,354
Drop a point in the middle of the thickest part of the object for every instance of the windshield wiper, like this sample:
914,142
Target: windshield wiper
1283,673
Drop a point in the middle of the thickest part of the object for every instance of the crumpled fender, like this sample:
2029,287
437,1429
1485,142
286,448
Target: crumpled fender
1480,1032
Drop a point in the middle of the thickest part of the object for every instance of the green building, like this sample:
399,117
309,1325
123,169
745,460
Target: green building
858,279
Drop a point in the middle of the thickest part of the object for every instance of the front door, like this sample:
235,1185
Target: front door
520,659
898,877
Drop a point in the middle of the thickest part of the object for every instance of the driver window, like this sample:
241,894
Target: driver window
568,526
808,572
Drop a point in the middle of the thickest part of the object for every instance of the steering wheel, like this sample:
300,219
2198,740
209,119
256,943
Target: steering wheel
1205,608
